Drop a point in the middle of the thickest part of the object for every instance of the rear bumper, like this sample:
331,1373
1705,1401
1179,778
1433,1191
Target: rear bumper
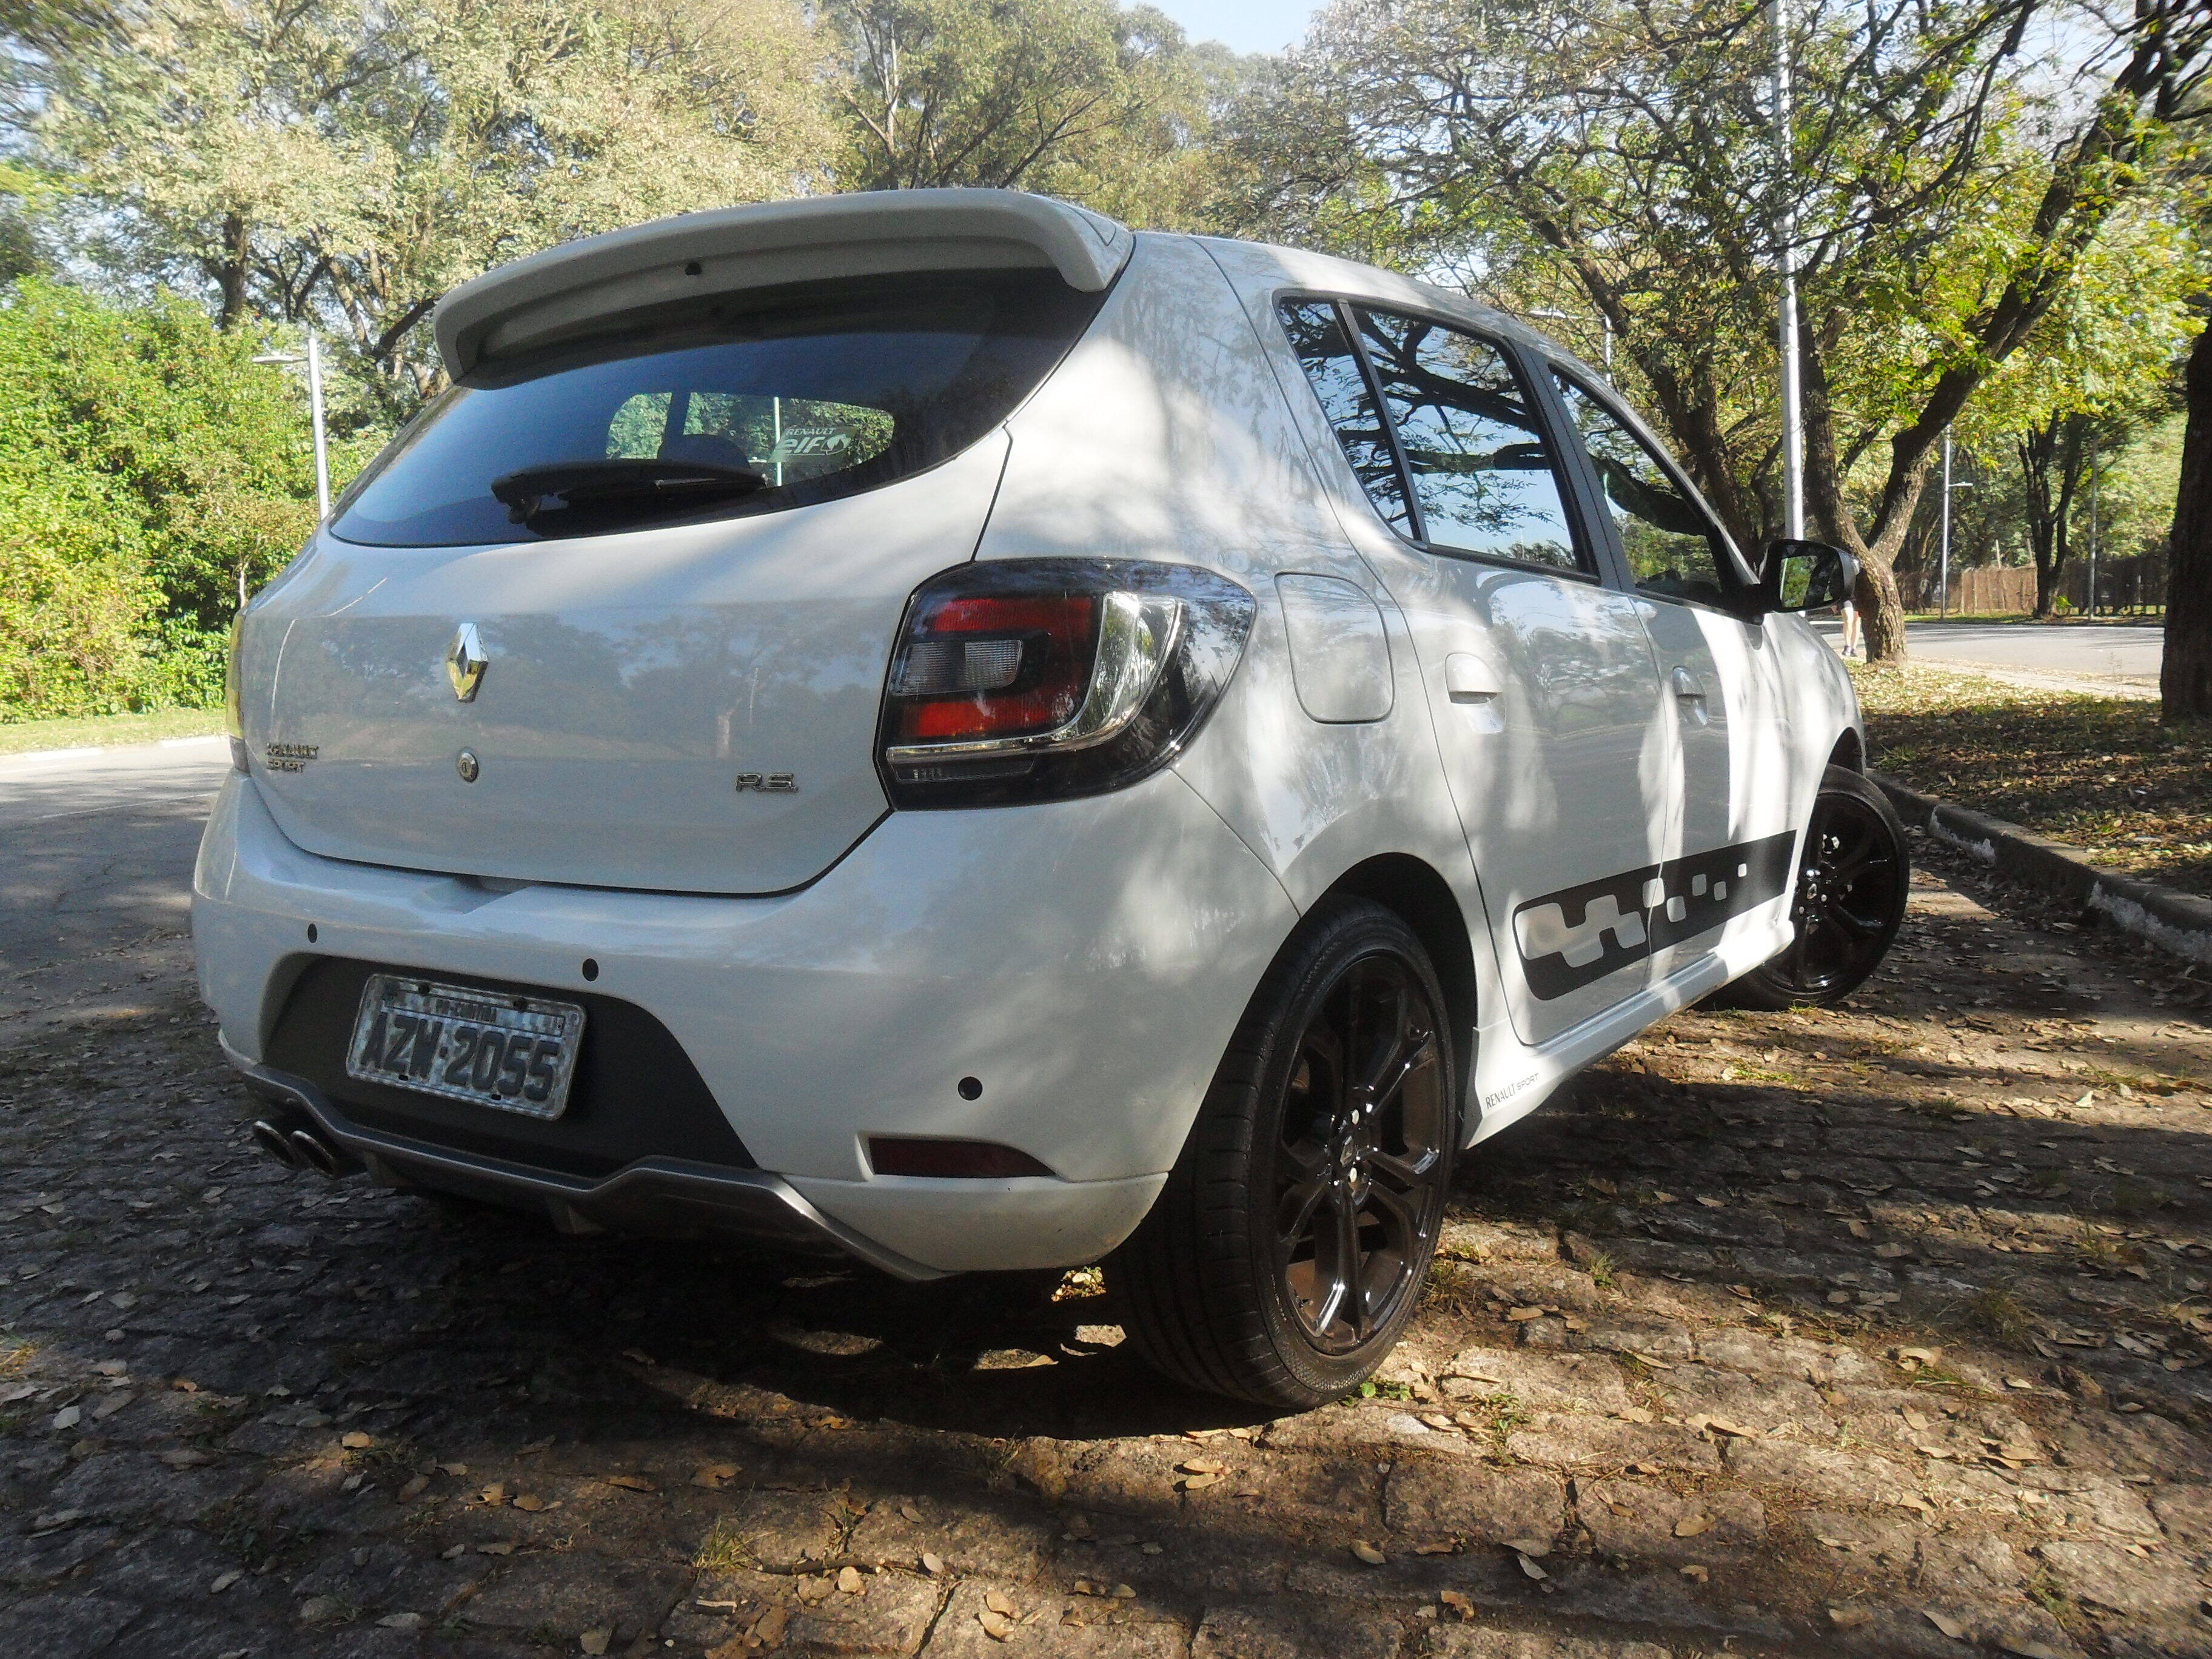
1085,961
655,1196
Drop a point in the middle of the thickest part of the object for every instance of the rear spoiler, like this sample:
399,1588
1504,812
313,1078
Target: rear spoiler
569,289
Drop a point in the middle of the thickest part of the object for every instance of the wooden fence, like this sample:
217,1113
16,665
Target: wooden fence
2130,587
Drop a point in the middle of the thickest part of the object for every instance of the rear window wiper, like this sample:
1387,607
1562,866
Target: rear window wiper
619,488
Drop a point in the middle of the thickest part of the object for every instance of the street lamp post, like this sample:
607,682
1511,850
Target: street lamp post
1785,235
1943,577
2093,470
313,359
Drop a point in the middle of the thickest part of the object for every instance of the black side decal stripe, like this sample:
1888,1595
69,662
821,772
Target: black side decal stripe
1578,935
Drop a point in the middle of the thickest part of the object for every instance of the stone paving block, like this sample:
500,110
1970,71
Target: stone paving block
968,1540
78,1625
890,1613
1822,1474
1456,1641
1625,1517
1769,1405
784,1530
28,1562
2091,1505
2110,1577
1040,1627
2186,1512
1437,1498
1665,1339
1574,1383
570,1592
1294,1629
1578,1441
1757,1354
1491,1241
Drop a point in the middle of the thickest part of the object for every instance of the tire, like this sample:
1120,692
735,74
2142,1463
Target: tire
1853,878
1334,1117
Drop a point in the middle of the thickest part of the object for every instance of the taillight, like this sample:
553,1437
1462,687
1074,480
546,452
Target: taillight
1036,679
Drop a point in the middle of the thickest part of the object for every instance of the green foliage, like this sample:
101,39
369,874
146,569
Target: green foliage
150,474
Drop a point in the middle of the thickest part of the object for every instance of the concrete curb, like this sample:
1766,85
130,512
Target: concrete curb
2174,921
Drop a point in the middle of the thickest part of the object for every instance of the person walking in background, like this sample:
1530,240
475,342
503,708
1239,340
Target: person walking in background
1850,629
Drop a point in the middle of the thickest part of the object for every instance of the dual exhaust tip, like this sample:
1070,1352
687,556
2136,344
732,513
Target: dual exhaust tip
298,1149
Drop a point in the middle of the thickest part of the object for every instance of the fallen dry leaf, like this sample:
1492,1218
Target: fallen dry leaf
1528,1565
1199,1482
186,1457
68,1417
631,1483
768,1629
1849,1618
595,1641
1950,1627
529,1503
997,1603
996,1625
414,1488
714,1476
1199,1465
225,1581
1690,1526
1459,1604
354,1440
1367,1552
1516,1316
1697,1574
495,1494
494,1549
457,1470
849,1581
931,1564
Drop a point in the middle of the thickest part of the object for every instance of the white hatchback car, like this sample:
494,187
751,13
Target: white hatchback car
930,725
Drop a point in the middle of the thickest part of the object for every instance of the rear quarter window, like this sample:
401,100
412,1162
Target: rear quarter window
749,404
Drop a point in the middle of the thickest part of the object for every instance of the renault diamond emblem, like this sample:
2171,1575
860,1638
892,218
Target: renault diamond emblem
465,662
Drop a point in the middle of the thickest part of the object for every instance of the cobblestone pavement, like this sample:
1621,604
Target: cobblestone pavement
1877,1332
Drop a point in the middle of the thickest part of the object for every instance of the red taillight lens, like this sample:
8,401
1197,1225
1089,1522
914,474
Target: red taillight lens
1037,679
993,667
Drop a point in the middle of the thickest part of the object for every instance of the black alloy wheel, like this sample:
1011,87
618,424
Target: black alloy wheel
1853,879
1289,1248
1359,1154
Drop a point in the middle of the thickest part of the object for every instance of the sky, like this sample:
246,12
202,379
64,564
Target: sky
1243,25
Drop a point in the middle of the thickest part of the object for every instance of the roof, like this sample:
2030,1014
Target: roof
566,290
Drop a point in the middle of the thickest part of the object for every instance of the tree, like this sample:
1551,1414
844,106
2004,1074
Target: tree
1082,98
150,473
2184,682
343,162
1618,155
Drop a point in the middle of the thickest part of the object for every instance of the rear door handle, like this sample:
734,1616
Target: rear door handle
1688,688
1467,678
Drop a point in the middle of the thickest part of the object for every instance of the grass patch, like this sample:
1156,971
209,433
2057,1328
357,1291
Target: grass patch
1599,1267
2099,773
22,737
1997,1314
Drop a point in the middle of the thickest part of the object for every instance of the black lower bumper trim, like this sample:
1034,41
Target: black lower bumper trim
655,1196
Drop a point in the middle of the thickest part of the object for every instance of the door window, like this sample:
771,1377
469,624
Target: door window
1675,550
1317,335
1482,470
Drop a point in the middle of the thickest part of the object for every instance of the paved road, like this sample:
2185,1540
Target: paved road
95,865
1780,1335
2127,650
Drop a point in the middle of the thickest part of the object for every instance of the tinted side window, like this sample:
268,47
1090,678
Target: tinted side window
1482,470
1317,335
1674,551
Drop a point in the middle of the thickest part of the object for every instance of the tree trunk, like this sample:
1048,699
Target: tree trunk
1881,612
2186,680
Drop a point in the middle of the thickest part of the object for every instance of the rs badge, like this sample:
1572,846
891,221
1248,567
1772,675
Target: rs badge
465,662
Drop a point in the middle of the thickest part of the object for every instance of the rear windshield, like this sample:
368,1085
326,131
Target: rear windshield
756,404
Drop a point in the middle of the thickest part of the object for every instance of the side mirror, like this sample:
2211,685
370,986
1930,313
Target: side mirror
1806,576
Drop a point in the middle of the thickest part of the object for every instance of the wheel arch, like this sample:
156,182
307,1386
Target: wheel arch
1411,889
1849,751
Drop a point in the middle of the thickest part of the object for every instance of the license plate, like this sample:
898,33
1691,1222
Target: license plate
513,1053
